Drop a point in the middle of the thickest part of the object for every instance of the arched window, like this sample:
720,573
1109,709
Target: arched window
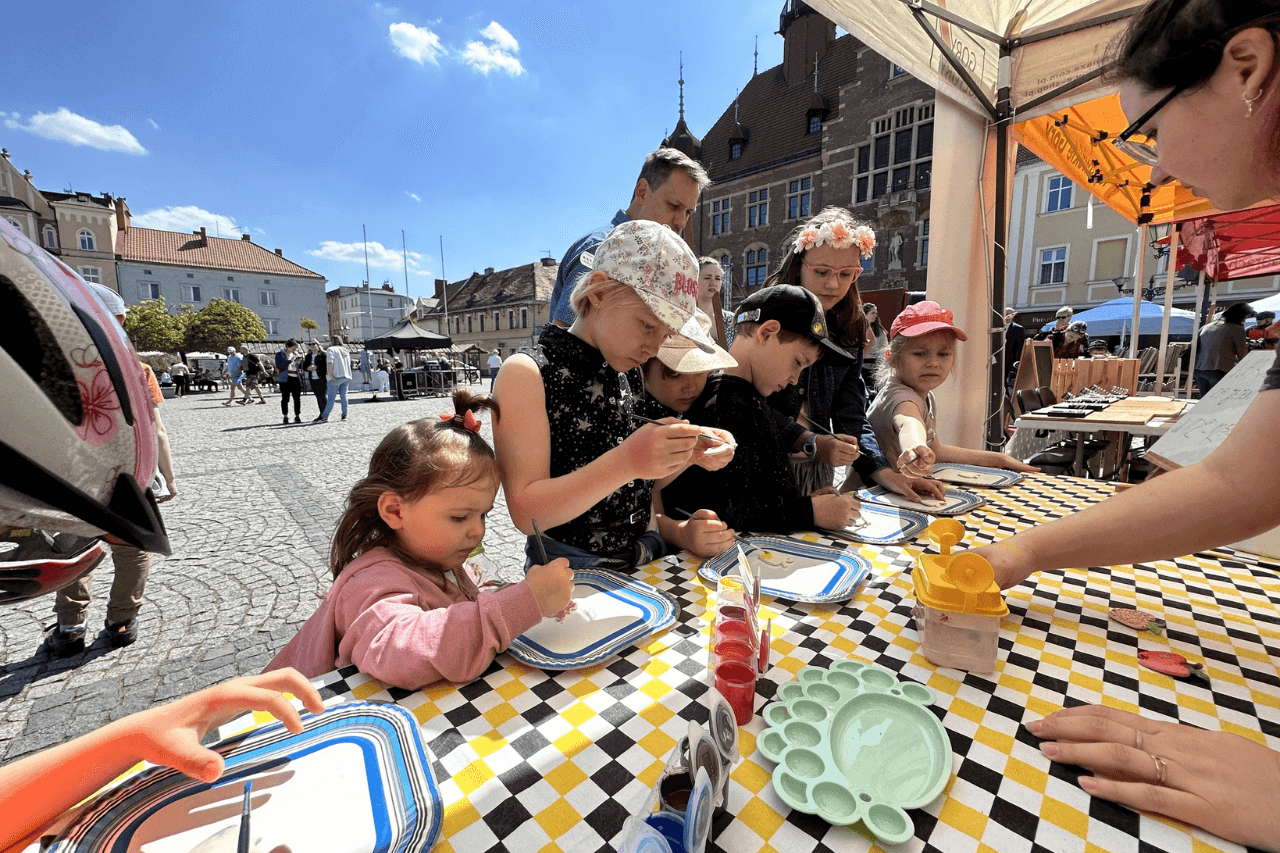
15,223
50,237
88,242
757,266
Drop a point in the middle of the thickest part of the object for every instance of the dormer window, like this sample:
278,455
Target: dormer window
735,150
815,124
817,113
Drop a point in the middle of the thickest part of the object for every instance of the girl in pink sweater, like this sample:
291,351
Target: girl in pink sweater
403,607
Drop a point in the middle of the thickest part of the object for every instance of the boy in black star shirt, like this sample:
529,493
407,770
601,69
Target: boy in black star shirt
780,331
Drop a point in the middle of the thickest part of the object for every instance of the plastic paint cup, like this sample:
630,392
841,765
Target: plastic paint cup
731,613
736,682
733,631
734,650
729,590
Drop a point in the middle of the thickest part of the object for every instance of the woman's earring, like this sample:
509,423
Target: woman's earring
1248,102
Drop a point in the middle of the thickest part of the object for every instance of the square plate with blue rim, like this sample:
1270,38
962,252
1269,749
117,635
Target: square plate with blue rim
613,612
361,766
794,570
884,525
975,475
957,502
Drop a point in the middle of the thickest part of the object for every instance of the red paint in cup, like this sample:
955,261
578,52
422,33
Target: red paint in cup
733,631
736,682
734,650
731,613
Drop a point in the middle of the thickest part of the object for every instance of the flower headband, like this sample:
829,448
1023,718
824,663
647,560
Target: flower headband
837,235
469,420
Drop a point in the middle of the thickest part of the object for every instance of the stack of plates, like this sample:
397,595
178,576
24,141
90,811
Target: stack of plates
357,778
612,612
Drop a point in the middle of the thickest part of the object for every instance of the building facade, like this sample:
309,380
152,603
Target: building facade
497,309
834,124
1067,248
361,313
191,269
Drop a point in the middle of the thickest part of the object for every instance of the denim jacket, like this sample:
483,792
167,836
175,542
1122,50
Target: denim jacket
837,398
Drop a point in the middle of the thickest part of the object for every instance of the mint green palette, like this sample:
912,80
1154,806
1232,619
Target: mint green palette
853,743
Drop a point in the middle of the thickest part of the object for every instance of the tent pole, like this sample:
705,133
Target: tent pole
1135,331
1195,333
997,367
1175,232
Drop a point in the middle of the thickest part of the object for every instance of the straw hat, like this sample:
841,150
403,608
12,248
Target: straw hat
684,356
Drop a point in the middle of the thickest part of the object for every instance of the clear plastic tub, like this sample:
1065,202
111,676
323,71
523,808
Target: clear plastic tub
959,604
958,640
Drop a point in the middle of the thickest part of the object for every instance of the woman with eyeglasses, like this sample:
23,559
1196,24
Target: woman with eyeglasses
1200,78
824,416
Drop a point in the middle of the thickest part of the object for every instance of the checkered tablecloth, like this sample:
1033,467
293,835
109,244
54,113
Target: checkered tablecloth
530,761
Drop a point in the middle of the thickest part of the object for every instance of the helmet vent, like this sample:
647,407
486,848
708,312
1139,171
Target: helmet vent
29,341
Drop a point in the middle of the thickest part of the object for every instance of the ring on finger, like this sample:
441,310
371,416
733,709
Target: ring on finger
1162,769
1137,740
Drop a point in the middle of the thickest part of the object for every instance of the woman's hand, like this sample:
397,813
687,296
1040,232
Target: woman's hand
834,511
714,455
838,450
912,488
1009,562
704,534
1224,783
916,461
552,585
655,451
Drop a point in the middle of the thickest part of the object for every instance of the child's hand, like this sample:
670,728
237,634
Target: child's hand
837,450
656,451
705,534
552,585
917,461
913,488
170,734
714,455
1010,463
833,511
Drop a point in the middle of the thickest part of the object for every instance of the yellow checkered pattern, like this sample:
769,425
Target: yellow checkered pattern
1056,646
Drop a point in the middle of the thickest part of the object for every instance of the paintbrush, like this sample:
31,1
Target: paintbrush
242,845
708,436
542,552
818,428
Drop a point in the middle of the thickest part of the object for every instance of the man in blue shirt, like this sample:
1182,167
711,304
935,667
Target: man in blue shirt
666,192
235,375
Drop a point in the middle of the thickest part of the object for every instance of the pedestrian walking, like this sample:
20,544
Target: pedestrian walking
236,377
254,373
495,362
339,361
180,374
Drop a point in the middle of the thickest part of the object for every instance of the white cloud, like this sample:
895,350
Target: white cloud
496,55
259,231
380,256
188,218
153,124
416,43
413,196
66,126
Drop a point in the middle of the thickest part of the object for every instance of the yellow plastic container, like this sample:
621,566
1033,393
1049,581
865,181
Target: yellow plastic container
959,604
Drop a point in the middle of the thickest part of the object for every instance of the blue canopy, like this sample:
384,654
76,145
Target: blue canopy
1116,317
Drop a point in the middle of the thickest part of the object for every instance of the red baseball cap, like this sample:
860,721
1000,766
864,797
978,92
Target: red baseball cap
923,318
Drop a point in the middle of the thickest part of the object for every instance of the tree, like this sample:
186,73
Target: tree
222,323
308,324
151,327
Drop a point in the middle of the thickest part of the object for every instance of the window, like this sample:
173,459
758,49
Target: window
798,194
231,293
273,327
191,275
231,278
896,71
481,323
267,298
720,217
511,319
899,156
50,237
1053,265
757,208
149,289
1059,195
524,318
815,124
16,224
866,264
469,329
496,325
922,243
88,242
757,267
191,293
93,274
391,303
735,151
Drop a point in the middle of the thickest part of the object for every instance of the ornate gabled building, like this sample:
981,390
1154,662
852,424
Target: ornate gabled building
833,124
497,309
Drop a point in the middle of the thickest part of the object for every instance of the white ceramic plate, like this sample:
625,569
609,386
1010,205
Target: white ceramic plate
612,612
356,780
793,570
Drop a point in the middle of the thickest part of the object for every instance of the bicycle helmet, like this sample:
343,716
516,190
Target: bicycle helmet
36,562
78,441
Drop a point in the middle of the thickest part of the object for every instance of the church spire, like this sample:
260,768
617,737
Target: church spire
755,62
682,85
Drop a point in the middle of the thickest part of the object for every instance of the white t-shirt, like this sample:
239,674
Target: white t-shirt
495,360
339,362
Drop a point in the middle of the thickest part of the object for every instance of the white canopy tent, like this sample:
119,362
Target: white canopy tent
992,62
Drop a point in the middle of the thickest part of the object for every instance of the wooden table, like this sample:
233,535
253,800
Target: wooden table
1117,432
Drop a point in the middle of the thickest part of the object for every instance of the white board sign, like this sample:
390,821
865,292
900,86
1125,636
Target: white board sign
1198,432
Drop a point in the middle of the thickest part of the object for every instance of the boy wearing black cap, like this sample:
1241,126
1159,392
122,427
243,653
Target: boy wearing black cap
780,331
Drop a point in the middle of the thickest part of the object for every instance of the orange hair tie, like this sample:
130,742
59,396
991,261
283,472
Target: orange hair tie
469,420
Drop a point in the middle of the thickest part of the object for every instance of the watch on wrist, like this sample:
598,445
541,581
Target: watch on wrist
810,446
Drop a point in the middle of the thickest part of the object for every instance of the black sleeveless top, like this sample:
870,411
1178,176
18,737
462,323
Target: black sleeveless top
588,407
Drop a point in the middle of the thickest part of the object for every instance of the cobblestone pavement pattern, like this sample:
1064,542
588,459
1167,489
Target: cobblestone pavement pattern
250,531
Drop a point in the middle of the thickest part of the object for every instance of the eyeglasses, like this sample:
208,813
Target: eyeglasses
847,274
1145,152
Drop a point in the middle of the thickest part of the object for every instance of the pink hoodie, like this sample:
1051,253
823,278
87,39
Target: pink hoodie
392,622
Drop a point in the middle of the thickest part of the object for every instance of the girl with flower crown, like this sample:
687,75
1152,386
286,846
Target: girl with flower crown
398,555
824,416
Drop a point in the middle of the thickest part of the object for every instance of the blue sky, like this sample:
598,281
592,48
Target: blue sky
508,128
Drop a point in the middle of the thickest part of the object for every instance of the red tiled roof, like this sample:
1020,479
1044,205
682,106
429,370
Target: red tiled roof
525,283
174,247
